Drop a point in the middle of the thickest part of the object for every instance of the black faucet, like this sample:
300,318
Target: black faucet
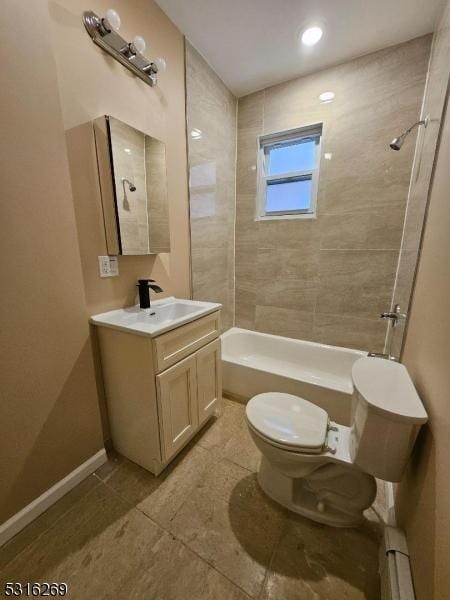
144,286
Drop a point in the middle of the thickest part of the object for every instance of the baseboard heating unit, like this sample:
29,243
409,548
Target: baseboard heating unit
395,568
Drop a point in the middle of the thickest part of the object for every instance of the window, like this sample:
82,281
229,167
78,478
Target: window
288,173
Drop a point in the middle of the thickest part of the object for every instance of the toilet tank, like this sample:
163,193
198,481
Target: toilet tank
386,417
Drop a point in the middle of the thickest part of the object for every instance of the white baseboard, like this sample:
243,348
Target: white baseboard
9,528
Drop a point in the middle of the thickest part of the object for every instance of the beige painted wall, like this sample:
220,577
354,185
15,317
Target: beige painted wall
423,501
92,84
211,109
433,105
48,402
327,279
52,229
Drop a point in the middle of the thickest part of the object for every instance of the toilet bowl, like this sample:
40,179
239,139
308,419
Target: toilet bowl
324,470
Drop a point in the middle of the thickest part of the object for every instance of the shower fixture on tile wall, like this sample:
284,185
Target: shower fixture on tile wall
397,142
129,183
103,32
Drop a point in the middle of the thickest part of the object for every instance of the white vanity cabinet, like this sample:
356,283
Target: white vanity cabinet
188,394
160,390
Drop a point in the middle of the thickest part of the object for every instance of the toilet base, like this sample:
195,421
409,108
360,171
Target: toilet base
320,496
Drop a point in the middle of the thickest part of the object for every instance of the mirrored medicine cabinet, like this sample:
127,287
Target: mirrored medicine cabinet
133,183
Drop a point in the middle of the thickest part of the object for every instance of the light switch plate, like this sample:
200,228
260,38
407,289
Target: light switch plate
108,266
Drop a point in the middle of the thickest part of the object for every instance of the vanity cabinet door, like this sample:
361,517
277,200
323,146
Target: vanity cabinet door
177,402
209,380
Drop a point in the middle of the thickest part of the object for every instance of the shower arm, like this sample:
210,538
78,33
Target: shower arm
422,122
130,184
397,142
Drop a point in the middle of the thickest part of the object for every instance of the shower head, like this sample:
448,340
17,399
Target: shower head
397,142
131,185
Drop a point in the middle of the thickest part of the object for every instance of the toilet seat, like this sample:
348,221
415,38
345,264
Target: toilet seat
288,422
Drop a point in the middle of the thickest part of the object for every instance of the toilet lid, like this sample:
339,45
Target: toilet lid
288,420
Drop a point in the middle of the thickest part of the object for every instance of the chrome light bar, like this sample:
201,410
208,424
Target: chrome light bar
103,32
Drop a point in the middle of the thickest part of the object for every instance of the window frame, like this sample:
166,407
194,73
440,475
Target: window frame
264,142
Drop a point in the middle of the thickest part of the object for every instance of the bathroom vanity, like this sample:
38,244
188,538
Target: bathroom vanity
162,375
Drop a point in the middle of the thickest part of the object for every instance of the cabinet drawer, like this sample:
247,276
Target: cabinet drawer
175,345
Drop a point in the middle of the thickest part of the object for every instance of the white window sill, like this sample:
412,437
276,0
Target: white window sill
286,217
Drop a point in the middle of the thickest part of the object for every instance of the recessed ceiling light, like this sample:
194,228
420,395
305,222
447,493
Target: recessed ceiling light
326,97
127,150
328,155
311,36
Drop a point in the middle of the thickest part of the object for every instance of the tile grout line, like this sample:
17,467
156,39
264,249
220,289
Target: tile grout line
162,528
174,536
107,486
272,558
212,566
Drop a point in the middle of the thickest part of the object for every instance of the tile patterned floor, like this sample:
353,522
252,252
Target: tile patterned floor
202,530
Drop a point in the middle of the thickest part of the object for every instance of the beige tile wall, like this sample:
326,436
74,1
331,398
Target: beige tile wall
211,109
327,279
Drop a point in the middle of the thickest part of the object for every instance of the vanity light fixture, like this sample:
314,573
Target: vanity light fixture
103,32
311,36
138,44
113,18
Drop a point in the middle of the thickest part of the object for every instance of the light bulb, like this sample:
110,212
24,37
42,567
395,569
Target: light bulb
160,63
139,43
113,18
311,36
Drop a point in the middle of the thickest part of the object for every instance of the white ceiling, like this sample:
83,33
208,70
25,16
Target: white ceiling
254,43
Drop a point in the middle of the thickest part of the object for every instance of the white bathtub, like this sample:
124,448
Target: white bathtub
258,362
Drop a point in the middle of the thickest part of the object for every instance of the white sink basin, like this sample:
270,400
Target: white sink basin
161,317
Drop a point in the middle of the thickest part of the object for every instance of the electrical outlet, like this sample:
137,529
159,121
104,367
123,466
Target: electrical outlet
108,266
113,266
103,263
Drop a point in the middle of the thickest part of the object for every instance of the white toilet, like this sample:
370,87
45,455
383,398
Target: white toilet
326,471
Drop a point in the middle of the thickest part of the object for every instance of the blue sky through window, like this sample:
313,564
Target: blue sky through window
297,156
289,171
288,195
